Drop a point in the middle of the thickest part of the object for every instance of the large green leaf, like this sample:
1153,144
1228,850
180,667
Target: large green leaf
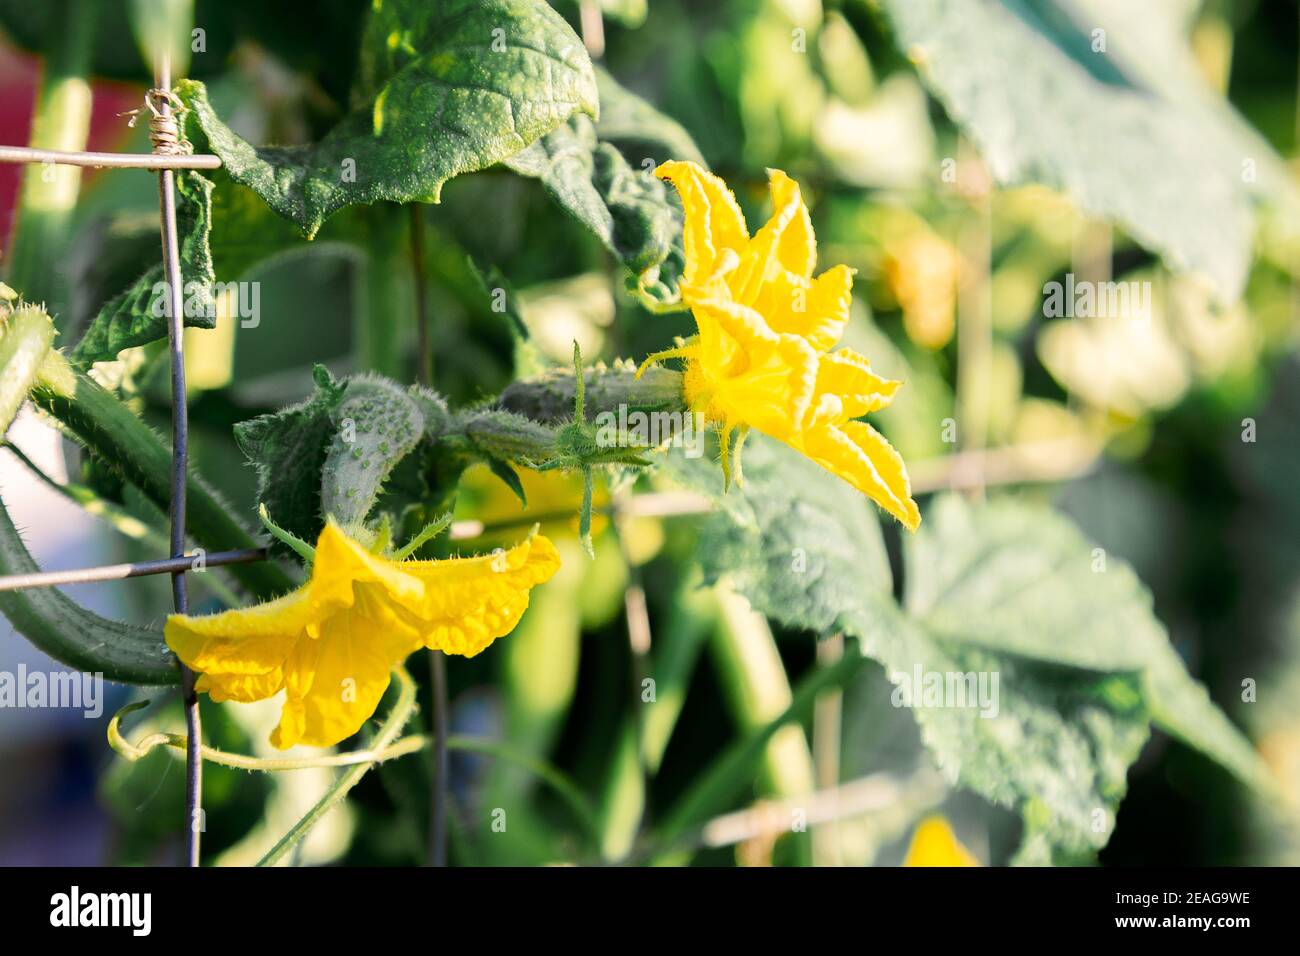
445,88
795,534
1021,579
1045,104
137,316
992,590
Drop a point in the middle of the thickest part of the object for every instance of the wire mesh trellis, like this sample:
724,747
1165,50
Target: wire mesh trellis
169,154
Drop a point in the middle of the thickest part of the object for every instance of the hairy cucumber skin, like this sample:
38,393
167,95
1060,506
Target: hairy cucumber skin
102,422
25,339
69,633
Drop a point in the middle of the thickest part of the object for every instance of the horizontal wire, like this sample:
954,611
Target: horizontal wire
118,572
155,161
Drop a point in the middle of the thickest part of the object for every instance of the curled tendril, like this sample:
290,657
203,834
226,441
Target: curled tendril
386,751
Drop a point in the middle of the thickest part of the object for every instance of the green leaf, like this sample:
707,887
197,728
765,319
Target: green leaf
507,474
1017,578
629,210
645,136
138,316
991,591
376,425
1044,106
287,449
444,89
797,535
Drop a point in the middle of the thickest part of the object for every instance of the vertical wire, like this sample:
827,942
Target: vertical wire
439,786
438,797
180,465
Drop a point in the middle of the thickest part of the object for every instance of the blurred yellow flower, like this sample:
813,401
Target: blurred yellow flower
934,844
923,271
762,357
331,644
553,501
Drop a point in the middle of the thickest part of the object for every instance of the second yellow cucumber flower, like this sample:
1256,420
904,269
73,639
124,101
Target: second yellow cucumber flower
331,644
934,844
762,357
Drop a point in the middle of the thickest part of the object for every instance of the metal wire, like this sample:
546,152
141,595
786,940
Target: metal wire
439,791
137,569
166,138
26,154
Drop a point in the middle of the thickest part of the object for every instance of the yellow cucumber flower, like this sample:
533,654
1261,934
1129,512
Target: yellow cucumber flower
934,844
762,358
331,644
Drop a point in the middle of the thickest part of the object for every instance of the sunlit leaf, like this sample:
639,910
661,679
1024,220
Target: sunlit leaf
444,89
138,315
1051,95
632,213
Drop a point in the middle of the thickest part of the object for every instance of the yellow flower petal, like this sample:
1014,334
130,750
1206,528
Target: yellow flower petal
342,563
243,688
934,844
473,601
774,390
240,652
784,247
714,222
332,644
334,683
762,357
797,249
860,455
848,376
817,310
250,640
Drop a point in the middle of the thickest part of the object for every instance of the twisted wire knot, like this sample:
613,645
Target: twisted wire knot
164,108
